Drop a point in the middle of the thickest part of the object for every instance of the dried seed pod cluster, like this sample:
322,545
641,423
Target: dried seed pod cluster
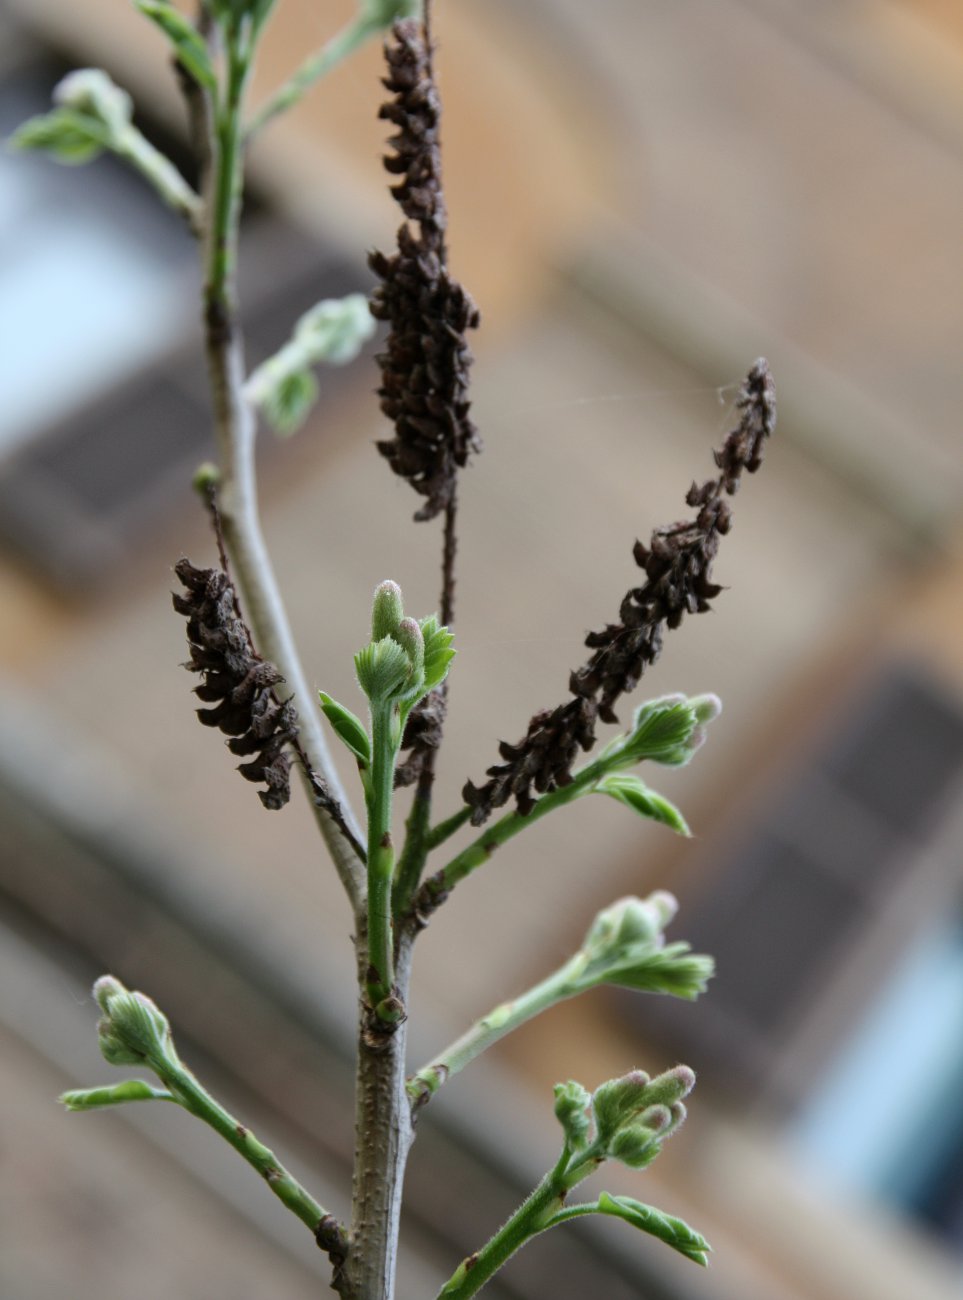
237,682
678,581
426,360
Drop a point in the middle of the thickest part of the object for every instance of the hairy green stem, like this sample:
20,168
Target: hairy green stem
379,976
437,887
158,170
350,38
186,1090
415,852
558,986
444,830
531,1218
235,432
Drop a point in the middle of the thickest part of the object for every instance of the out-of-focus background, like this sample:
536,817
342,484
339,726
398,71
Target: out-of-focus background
644,197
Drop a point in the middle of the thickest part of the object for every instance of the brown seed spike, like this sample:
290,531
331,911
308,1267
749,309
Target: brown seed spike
678,580
237,682
426,360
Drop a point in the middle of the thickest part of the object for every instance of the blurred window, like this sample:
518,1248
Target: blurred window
886,1119
838,1004
102,377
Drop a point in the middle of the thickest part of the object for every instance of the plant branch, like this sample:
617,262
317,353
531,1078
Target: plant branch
379,974
158,170
437,887
235,432
444,830
194,1098
383,1138
339,47
531,1218
558,986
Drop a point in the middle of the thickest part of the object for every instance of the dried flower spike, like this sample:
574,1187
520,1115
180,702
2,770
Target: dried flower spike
237,682
678,581
425,363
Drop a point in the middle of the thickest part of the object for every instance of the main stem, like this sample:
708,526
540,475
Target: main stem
383,1138
235,433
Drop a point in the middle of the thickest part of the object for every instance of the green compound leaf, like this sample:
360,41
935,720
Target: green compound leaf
67,136
674,1232
349,728
438,652
189,45
635,794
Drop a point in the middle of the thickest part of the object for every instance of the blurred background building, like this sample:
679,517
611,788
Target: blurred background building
644,197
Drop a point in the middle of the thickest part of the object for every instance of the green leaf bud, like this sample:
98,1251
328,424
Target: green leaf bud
629,921
287,402
104,989
207,478
91,91
667,730
132,1029
387,610
572,1103
634,1146
670,1087
706,708
336,329
410,639
635,1100
617,1102
382,668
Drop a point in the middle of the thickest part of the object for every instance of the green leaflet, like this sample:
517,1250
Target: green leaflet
438,652
189,45
67,136
113,1095
673,969
288,403
674,1232
382,668
635,794
348,727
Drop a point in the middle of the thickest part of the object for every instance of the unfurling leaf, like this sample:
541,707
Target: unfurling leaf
382,668
189,45
287,404
348,727
674,1232
438,652
115,1095
673,969
635,794
572,1103
67,136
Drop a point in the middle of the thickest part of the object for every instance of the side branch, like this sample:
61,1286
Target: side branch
235,434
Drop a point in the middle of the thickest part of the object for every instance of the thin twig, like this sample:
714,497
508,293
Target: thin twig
235,432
